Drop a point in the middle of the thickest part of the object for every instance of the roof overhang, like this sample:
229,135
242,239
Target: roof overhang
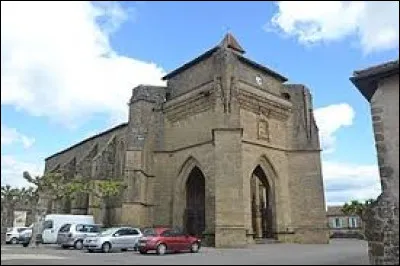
366,81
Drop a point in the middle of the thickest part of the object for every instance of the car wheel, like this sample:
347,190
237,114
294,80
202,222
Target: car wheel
78,244
25,245
14,241
142,251
161,249
194,248
106,247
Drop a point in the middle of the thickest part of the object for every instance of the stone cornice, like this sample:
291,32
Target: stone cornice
270,105
186,147
278,148
195,101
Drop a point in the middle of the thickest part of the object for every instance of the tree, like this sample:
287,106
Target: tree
52,186
356,207
10,197
103,190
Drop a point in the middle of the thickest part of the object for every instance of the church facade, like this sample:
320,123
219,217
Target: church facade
227,151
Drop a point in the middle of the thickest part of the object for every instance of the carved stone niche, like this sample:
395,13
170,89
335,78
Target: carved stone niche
263,125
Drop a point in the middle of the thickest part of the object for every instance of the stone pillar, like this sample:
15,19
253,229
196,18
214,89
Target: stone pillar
230,228
258,233
262,209
134,211
94,207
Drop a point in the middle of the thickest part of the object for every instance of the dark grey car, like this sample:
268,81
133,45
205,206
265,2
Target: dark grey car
73,235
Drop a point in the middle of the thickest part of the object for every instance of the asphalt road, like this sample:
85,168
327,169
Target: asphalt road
338,252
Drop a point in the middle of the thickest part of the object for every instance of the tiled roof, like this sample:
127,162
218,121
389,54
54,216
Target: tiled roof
334,211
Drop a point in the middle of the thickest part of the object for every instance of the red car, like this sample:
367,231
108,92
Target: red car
164,240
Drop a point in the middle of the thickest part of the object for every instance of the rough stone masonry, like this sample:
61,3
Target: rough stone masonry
226,150
380,86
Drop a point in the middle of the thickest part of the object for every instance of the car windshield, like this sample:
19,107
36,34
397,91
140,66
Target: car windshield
108,232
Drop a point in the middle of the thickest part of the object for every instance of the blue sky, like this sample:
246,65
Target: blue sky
68,70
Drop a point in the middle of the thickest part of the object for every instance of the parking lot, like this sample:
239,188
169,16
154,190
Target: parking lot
353,252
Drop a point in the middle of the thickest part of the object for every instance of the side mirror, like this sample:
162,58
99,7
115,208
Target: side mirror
115,235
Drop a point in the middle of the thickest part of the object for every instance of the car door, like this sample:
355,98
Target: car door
48,234
170,239
80,232
132,237
92,230
181,240
119,238
62,236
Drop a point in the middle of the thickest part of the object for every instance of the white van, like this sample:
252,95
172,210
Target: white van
53,222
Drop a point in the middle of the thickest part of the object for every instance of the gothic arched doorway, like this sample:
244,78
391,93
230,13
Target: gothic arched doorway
194,216
261,205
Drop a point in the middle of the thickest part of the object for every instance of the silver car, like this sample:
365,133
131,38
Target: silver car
122,238
73,235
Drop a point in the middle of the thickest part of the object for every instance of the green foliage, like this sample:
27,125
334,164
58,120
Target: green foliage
356,207
108,188
55,185
98,188
12,196
9,195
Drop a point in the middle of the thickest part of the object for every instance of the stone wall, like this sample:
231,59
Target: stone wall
247,74
382,223
98,157
80,149
216,115
192,78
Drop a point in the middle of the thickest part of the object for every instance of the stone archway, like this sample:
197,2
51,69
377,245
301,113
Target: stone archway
194,215
262,202
190,168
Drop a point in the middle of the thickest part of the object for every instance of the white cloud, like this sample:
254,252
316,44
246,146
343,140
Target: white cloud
11,135
345,181
57,61
329,120
12,169
376,24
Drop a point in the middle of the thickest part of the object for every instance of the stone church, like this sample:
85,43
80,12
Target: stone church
227,151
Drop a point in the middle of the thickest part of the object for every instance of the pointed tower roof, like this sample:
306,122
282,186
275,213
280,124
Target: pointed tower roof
230,42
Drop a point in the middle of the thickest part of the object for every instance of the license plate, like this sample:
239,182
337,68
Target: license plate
142,244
